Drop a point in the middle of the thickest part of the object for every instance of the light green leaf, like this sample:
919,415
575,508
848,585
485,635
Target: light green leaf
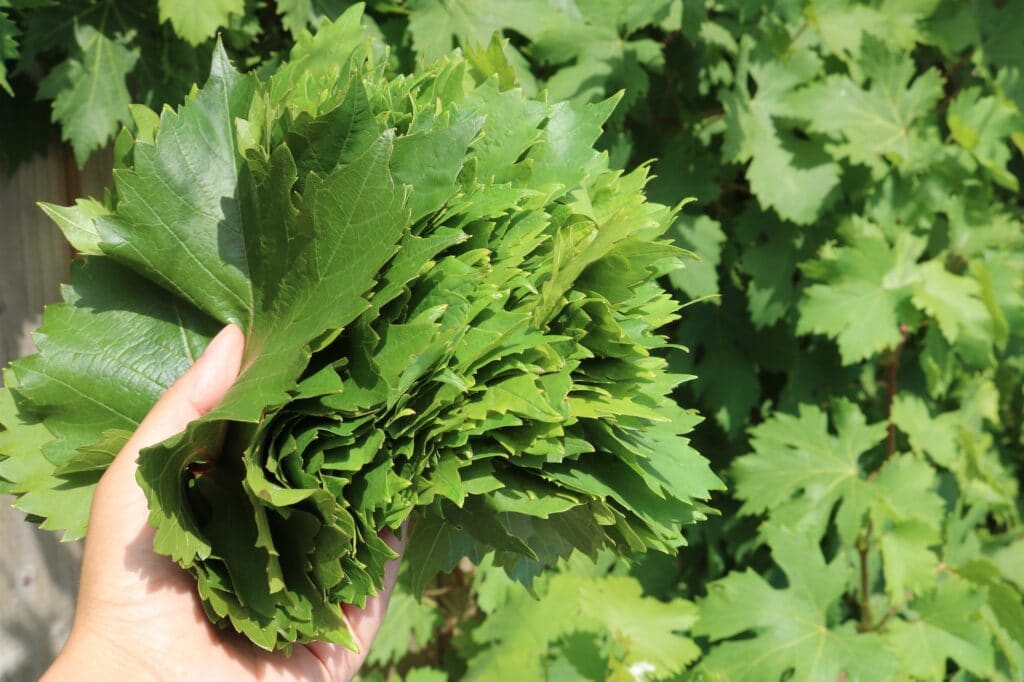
863,286
799,472
887,120
78,223
633,631
983,126
198,20
945,625
954,301
704,237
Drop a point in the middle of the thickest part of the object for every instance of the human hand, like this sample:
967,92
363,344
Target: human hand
138,616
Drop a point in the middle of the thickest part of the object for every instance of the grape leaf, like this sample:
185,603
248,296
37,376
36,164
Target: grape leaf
954,301
789,630
197,20
770,260
8,48
704,237
898,25
945,625
805,477
983,126
870,278
632,632
435,25
790,175
887,120
409,622
90,91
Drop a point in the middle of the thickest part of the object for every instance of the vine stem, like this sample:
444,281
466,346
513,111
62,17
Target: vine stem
890,386
863,547
864,541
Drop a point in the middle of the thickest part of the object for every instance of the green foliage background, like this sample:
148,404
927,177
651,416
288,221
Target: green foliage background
856,326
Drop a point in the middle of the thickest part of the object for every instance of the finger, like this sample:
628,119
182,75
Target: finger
118,497
365,622
196,392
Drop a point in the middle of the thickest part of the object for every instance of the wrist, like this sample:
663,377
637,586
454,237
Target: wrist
83,659
69,664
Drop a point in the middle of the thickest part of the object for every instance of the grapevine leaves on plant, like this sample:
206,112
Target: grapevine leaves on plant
91,59
869,275
986,127
409,622
807,477
947,624
702,235
889,119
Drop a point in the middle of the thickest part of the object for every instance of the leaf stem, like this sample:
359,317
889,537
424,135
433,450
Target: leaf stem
893,610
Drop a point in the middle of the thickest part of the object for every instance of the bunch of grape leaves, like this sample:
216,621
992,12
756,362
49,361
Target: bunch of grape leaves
857,339
487,360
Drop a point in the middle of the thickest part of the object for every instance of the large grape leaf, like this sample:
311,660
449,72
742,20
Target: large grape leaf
770,259
984,126
434,26
862,287
704,237
887,120
90,90
759,632
844,25
89,396
591,48
42,494
409,623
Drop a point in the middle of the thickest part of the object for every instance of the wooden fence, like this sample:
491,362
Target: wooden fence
38,572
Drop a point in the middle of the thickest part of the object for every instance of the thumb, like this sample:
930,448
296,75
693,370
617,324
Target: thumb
119,504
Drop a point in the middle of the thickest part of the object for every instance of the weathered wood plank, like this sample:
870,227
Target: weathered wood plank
38,573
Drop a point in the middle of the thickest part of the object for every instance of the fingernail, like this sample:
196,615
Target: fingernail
214,346
206,368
